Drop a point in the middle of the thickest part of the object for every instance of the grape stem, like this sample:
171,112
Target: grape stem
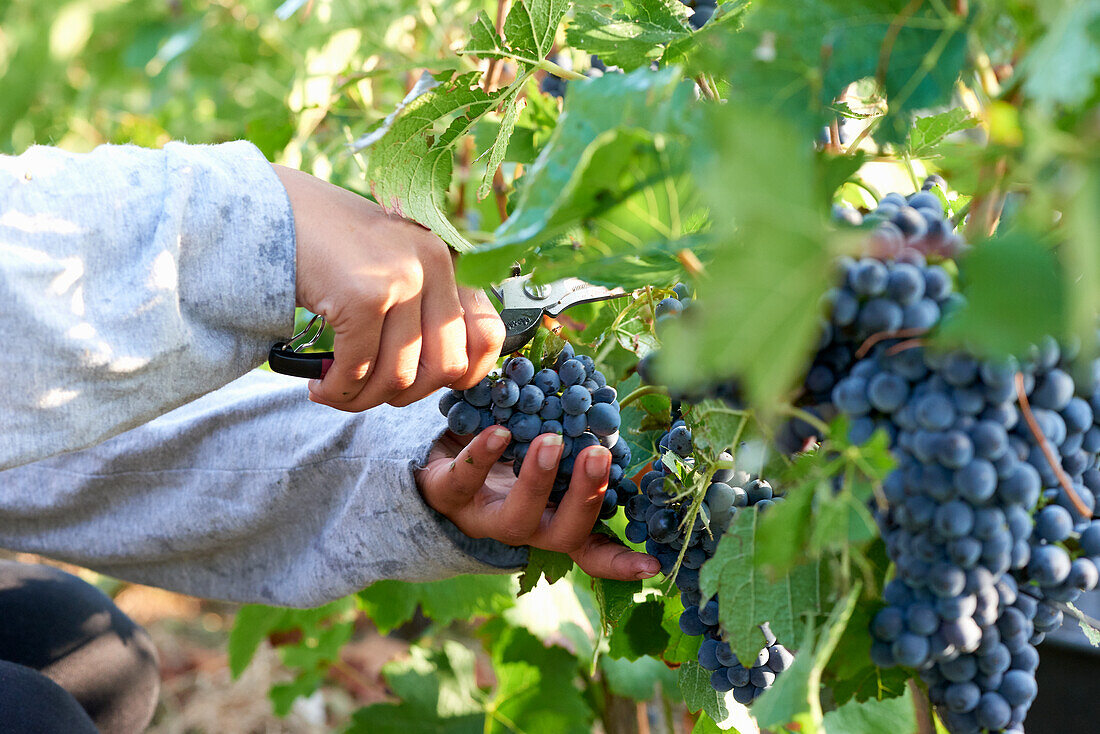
1033,426
883,335
642,392
902,346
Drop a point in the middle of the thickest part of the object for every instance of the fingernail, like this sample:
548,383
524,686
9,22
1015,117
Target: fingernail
314,385
647,568
598,463
498,438
549,451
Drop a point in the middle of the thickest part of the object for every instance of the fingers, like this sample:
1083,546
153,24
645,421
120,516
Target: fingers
603,557
523,509
355,346
580,508
450,487
484,336
443,352
398,358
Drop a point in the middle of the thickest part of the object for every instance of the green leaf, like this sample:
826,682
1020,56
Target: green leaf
639,632
254,622
528,35
614,598
891,714
390,604
536,687
705,725
1062,66
616,135
769,255
283,695
411,155
636,678
628,34
795,699
698,692
439,695
998,319
793,57
681,648
714,426
541,563
747,597
928,132
499,148
871,683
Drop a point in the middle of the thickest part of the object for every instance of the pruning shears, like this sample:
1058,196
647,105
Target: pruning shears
523,304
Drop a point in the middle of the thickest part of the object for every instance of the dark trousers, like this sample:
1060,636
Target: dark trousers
70,660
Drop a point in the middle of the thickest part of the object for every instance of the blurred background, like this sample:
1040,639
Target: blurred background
299,79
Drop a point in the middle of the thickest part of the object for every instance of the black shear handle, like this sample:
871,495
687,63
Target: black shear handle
312,365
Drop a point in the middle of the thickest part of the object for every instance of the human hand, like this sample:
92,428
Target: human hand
403,328
484,499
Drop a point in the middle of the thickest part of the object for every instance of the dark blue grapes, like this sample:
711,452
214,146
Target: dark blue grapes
659,513
558,399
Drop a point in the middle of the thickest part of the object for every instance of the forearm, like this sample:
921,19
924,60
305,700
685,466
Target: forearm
136,280
251,494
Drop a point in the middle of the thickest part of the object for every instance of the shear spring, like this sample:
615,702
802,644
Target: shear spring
305,329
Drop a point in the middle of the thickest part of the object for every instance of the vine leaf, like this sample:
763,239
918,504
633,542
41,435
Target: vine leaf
766,274
528,35
928,132
1063,64
714,426
699,693
546,563
812,49
996,322
411,159
639,631
617,134
390,604
795,699
615,599
889,714
629,34
747,597
411,163
438,691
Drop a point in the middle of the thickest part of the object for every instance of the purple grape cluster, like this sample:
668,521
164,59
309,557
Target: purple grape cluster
658,516
571,398
982,532
903,227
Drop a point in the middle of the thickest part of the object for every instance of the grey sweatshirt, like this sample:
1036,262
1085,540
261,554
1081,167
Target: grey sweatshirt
133,281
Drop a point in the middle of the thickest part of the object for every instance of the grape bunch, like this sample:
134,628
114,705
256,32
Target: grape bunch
571,398
659,515
977,563
902,227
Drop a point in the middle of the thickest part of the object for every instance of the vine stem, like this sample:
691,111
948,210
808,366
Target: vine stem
1033,426
883,335
549,66
922,707
640,392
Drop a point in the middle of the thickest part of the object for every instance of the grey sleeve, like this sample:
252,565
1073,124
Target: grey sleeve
131,282
251,493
